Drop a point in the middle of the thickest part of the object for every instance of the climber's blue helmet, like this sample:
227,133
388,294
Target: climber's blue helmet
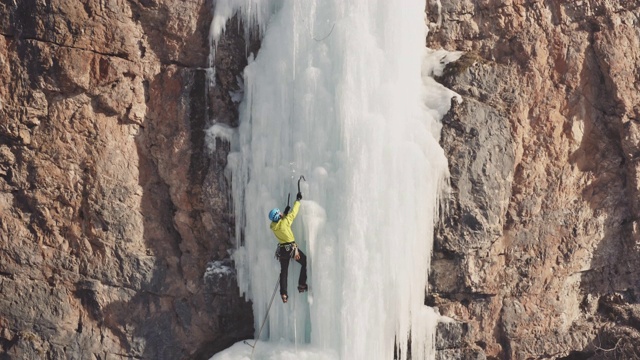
274,215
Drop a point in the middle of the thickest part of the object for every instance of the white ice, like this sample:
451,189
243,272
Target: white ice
341,93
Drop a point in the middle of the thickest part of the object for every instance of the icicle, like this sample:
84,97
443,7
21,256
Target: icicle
354,112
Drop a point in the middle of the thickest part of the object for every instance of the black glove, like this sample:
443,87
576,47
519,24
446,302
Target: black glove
286,210
299,196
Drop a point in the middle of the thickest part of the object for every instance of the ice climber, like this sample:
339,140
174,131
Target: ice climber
287,248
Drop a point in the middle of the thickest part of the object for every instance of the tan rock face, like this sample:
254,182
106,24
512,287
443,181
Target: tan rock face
112,207
539,251
111,204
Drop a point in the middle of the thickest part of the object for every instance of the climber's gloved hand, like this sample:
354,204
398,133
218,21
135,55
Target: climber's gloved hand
286,210
299,196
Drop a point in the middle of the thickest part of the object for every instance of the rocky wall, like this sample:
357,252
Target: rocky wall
537,254
112,206
116,221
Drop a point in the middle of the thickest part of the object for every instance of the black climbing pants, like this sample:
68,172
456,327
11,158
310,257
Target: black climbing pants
285,254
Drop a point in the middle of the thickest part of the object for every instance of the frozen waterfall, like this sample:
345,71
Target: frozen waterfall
341,93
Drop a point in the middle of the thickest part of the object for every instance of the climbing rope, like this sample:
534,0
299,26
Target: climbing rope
295,321
265,318
326,36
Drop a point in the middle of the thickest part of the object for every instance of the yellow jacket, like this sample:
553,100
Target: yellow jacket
282,228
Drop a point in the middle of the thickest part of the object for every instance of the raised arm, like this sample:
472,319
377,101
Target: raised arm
292,214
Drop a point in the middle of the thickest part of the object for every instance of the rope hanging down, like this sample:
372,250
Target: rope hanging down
265,319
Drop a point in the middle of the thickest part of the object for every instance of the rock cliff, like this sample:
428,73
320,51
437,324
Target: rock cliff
537,254
112,207
115,214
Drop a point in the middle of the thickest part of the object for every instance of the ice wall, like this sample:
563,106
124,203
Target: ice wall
339,92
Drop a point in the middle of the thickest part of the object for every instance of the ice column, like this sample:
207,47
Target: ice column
337,94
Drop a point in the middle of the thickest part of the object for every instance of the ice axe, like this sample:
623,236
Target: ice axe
301,178
286,210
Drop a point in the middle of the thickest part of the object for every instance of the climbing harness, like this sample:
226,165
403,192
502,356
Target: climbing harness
290,248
